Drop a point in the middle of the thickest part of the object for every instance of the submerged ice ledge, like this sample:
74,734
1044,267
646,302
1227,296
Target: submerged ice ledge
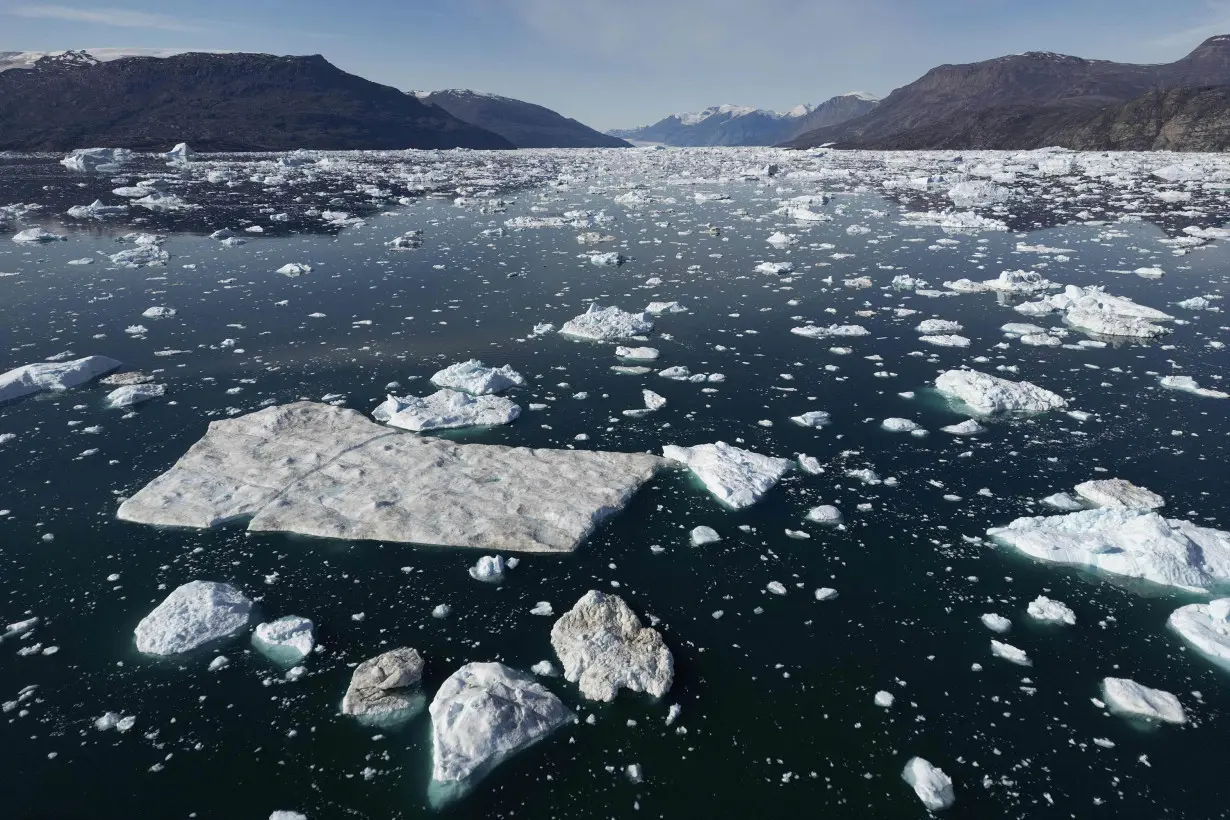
323,471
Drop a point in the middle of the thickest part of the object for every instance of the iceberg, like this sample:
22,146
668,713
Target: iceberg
286,641
816,332
1206,627
607,324
95,159
181,154
380,689
96,210
991,395
933,787
193,615
1130,699
31,235
1189,385
736,477
1044,609
36,378
446,410
325,471
474,378
603,648
1115,492
482,714
1128,542
700,536
133,394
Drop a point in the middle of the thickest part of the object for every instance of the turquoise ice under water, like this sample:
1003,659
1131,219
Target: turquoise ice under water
777,691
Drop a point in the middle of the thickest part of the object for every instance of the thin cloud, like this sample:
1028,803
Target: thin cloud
121,18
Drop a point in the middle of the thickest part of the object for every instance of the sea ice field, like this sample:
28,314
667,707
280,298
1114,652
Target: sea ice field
614,483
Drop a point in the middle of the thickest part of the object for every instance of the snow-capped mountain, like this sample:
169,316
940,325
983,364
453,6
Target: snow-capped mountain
743,125
85,56
524,124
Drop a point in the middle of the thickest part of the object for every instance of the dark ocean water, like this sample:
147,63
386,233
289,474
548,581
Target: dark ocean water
776,694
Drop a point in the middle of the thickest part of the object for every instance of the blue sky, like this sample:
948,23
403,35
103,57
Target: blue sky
612,63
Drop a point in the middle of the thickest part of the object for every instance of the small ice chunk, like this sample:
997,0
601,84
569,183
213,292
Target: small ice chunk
1010,653
824,514
704,535
996,623
287,641
884,699
490,568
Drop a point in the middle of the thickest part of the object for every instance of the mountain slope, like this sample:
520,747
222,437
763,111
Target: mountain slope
523,124
217,102
735,125
1178,119
951,100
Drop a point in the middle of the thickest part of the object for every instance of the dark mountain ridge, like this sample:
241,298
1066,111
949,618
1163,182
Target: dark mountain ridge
955,106
217,102
524,124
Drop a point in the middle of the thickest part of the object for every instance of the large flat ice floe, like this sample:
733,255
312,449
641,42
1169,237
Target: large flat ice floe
607,324
1129,542
736,477
193,615
324,471
604,648
485,712
991,395
35,378
1206,627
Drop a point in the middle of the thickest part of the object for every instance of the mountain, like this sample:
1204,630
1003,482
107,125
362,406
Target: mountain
1178,119
736,125
523,124
971,105
216,102
27,59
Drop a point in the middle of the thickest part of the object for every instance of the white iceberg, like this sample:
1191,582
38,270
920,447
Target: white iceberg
1129,698
490,568
31,235
96,210
933,787
1133,543
992,395
604,648
193,615
36,378
736,477
286,641
637,354
1010,653
446,410
1187,384
607,324
813,418
1044,609
1116,492
93,159
476,379
1206,627
485,712
701,536
133,394
817,332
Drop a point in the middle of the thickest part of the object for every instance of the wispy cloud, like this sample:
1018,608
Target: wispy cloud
121,18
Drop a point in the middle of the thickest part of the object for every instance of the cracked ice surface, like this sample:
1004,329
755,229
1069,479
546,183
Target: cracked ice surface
319,470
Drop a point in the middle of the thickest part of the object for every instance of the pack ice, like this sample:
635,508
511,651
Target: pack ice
485,712
1130,542
607,324
992,395
35,378
736,477
193,615
325,471
604,648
